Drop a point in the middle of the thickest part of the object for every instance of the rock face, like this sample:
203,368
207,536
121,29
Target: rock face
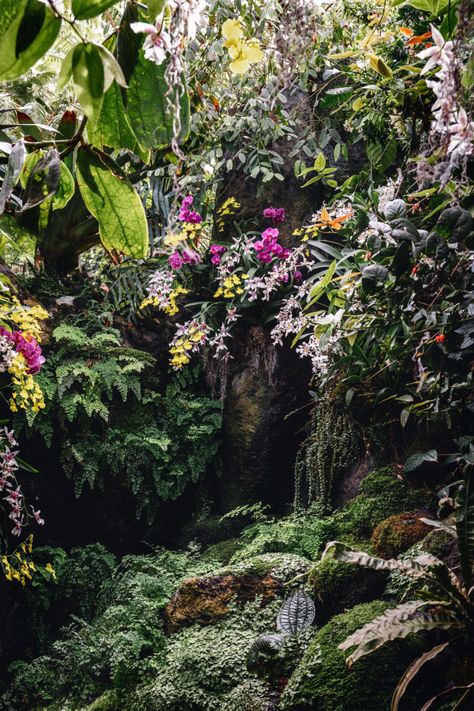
261,440
206,599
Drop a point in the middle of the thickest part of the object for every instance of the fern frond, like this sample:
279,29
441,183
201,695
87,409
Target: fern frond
398,623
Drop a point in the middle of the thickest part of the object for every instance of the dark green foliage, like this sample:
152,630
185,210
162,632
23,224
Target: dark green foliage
123,645
108,416
381,495
323,682
333,446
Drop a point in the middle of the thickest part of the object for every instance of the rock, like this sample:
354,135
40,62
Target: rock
340,586
206,599
396,534
264,386
323,682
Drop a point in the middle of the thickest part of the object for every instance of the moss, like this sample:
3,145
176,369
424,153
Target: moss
396,534
222,552
322,681
381,495
339,586
110,701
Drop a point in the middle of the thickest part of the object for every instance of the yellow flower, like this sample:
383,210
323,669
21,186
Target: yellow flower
27,394
232,31
243,55
49,569
243,52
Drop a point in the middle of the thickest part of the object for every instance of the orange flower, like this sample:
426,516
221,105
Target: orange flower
334,223
419,39
405,31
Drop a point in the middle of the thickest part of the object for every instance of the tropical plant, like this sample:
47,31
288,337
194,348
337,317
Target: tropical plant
443,602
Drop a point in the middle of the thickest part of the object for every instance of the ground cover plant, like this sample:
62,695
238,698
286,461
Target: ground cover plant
237,346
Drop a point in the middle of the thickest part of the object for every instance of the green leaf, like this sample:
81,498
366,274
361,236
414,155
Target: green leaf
112,69
15,164
435,7
379,66
110,197
88,78
112,128
296,614
43,179
28,28
85,9
66,188
417,459
320,162
155,8
150,110
465,526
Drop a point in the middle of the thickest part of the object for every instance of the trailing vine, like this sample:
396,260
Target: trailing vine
333,446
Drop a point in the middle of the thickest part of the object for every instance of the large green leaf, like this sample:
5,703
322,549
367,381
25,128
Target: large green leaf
85,9
28,28
112,128
110,197
42,180
435,7
465,526
88,78
148,107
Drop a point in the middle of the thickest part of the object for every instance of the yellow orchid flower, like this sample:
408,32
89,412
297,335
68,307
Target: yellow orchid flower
232,31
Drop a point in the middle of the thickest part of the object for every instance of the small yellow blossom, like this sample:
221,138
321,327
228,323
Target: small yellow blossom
242,52
231,286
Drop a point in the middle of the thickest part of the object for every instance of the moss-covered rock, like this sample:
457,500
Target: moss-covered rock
322,681
339,586
222,552
301,534
206,599
382,494
396,534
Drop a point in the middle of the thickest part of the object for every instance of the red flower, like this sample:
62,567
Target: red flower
415,269
440,338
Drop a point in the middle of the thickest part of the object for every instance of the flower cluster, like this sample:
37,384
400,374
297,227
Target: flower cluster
9,487
186,256
268,247
19,567
229,207
231,286
20,352
243,52
27,346
189,338
188,215
276,214
450,120
163,293
217,250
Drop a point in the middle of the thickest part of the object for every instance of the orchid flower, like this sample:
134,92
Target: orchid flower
157,43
